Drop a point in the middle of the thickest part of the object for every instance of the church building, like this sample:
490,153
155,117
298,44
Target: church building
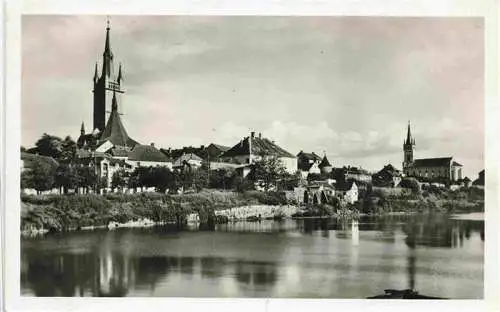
108,146
443,168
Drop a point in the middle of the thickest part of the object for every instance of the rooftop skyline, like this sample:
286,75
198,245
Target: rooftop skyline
344,85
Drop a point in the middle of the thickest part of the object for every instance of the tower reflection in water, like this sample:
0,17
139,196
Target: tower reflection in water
251,262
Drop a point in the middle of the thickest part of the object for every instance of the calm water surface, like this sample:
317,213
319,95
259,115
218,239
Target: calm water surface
310,258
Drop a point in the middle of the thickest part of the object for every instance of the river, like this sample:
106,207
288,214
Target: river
311,258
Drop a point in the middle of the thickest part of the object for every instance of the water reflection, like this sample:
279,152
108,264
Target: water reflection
363,256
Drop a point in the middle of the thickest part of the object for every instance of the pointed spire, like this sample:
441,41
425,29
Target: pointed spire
120,76
107,65
409,139
114,103
96,75
82,129
106,45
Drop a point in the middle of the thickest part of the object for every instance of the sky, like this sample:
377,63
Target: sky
344,86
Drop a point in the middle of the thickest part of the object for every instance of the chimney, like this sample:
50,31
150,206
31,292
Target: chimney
252,134
260,135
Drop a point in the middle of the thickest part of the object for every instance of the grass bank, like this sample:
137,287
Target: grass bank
71,212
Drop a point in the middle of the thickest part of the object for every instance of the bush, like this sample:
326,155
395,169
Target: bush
412,184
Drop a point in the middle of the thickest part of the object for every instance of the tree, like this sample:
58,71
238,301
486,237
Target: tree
290,181
412,184
200,178
119,179
68,150
87,177
66,177
222,178
163,179
40,176
269,170
49,145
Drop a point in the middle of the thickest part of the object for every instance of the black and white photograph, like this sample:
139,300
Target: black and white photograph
253,156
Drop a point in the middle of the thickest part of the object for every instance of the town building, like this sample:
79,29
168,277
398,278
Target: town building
431,169
252,148
387,177
308,163
479,182
347,191
187,161
348,173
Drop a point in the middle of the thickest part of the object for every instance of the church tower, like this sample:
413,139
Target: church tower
408,148
105,85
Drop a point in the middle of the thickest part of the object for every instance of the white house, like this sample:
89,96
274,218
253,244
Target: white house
348,192
308,163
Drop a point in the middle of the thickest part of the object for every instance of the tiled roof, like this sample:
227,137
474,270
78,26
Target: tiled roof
176,153
186,158
119,152
221,147
115,131
83,153
309,156
432,162
259,146
147,153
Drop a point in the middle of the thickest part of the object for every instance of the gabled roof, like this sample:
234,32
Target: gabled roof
186,158
456,164
256,146
305,166
115,131
146,153
432,162
176,153
309,156
220,147
324,163
344,185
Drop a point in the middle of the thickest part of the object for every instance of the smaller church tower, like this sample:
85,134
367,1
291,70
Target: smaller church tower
408,148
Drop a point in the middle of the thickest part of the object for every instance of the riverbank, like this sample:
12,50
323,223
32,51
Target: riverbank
57,213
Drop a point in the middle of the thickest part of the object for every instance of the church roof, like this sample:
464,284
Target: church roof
433,162
256,146
147,153
115,131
